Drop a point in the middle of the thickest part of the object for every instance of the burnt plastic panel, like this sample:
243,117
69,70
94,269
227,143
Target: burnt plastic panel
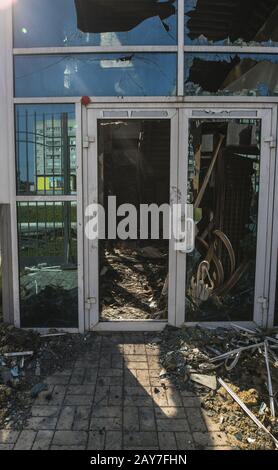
98,16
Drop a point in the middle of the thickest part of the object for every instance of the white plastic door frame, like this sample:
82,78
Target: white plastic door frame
90,195
267,116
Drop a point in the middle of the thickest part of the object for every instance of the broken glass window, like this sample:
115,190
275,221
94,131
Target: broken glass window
231,22
136,74
224,188
231,74
41,23
47,241
45,149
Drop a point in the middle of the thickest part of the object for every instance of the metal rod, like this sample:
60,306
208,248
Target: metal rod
235,351
270,389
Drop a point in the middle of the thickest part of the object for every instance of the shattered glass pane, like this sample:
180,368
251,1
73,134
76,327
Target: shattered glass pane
47,241
41,23
231,74
231,22
223,186
45,149
136,74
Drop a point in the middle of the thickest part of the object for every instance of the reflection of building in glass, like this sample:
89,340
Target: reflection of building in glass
55,162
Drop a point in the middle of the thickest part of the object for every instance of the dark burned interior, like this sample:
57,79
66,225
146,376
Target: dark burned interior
248,20
134,166
224,170
98,16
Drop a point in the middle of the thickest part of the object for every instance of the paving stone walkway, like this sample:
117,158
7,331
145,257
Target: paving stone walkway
114,399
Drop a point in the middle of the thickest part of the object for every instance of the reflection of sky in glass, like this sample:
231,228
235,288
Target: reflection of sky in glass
137,74
46,23
26,116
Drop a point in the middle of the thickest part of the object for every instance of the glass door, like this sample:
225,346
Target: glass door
131,173
227,170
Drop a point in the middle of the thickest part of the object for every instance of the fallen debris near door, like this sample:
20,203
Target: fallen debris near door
51,335
26,358
208,381
37,389
250,414
194,358
19,354
134,283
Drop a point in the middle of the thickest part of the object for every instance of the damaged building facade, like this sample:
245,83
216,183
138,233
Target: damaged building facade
153,102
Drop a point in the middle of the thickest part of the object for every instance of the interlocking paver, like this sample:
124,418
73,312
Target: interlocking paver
131,418
195,420
45,411
78,400
41,423
8,437
96,440
140,440
113,440
25,440
70,438
184,441
43,440
66,418
167,441
81,418
114,398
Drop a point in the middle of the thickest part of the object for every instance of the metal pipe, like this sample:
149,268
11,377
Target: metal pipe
270,389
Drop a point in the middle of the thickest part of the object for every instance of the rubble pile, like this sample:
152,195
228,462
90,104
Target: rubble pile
26,359
188,359
132,284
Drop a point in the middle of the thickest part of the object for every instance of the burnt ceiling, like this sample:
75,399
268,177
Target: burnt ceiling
101,16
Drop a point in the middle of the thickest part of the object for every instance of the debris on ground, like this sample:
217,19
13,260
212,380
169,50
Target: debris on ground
26,358
134,283
191,358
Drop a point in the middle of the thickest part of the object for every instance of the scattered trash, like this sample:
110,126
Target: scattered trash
236,354
38,368
52,335
247,411
37,389
15,372
18,354
26,358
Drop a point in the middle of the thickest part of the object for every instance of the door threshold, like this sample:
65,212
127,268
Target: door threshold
135,325
226,324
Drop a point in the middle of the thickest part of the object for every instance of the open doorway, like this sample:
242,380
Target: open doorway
134,166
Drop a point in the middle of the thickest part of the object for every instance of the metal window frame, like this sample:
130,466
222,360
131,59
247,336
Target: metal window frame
55,198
